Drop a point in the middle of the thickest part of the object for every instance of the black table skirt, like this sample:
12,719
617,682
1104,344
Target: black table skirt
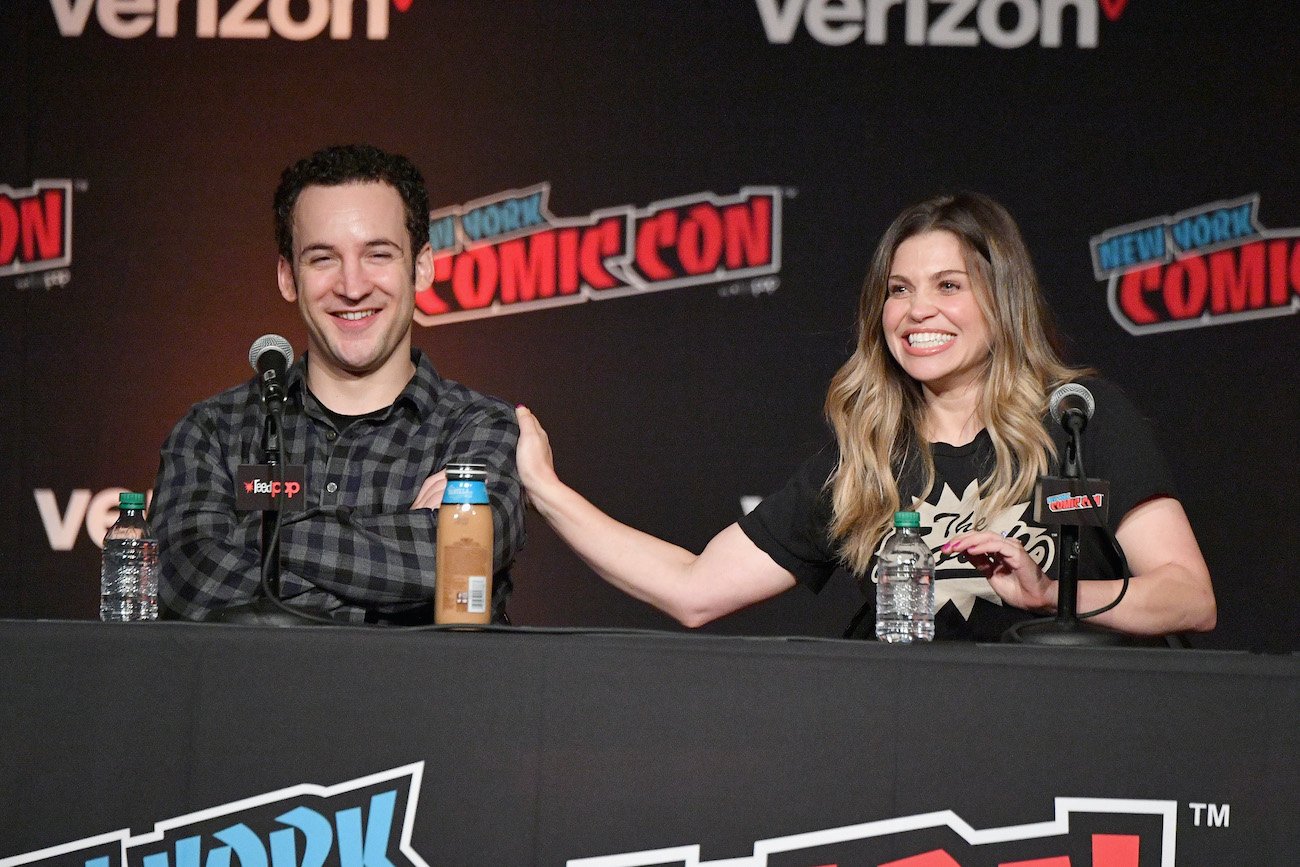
522,747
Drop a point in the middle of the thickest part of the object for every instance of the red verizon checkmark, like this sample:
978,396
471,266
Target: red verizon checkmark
403,5
1112,8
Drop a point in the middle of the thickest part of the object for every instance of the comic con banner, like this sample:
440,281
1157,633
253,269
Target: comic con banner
650,223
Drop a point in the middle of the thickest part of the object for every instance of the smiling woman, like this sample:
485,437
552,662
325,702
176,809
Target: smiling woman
941,409
954,341
932,318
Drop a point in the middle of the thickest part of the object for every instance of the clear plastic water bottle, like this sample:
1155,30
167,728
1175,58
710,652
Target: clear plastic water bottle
128,578
905,584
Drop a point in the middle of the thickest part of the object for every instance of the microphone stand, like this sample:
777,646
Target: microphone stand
271,517
265,608
1066,629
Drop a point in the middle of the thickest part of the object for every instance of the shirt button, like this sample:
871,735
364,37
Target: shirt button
331,435
331,487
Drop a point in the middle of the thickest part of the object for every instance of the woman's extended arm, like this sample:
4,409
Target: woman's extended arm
731,573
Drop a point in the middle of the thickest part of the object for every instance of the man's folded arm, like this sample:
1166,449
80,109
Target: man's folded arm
210,553
390,557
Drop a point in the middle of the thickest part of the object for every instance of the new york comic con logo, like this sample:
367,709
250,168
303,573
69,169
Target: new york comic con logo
1086,832
1208,265
35,228
295,20
507,253
362,823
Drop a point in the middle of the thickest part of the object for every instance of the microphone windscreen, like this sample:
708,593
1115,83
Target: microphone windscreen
1072,395
266,343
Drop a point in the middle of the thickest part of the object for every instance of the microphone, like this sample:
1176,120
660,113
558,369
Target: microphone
270,356
1069,502
1072,405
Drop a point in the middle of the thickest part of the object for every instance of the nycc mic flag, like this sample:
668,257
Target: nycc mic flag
1059,501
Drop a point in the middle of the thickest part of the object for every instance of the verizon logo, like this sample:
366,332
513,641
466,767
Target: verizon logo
296,20
952,23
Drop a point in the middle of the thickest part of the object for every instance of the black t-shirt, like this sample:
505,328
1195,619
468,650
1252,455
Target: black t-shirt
792,525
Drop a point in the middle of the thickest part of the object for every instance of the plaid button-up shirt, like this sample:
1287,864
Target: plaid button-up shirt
358,547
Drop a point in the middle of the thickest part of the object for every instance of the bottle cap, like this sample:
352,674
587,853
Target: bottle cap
907,519
130,501
465,471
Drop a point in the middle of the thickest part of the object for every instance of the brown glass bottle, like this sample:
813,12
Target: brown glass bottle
463,593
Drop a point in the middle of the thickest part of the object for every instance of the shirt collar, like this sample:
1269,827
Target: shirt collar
421,393
424,389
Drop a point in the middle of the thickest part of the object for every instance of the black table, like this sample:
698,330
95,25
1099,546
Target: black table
521,747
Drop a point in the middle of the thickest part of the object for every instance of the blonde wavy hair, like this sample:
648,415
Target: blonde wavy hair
878,412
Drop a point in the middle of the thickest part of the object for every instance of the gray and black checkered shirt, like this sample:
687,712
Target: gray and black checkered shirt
358,547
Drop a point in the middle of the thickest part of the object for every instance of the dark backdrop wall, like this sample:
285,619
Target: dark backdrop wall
143,141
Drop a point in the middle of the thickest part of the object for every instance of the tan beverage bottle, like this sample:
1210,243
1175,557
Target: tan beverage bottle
463,593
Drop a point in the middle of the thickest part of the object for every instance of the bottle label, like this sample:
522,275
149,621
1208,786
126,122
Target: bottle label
477,601
463,491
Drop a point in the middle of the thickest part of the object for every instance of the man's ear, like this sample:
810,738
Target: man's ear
424,268
284,276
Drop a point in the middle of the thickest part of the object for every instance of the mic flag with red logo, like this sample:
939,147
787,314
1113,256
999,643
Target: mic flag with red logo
271,487
1081,502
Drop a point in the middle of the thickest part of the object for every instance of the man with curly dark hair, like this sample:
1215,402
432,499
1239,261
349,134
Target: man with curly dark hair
365,412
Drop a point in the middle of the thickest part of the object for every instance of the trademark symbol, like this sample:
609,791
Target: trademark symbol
81,185
1216,815
791,192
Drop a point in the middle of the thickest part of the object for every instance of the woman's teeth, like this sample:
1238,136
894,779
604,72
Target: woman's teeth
924,339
